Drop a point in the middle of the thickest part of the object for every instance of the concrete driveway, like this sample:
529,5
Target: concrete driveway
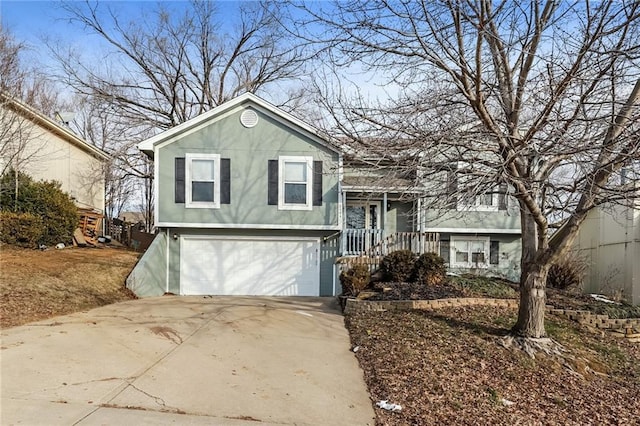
187,361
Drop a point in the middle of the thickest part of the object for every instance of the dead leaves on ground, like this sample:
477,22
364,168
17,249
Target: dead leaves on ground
446,367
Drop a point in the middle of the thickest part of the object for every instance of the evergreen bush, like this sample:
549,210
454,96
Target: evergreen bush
429,269
355,279
42,199
21,229
398,266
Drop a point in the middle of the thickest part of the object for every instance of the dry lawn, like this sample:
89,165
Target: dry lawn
447,368
36,285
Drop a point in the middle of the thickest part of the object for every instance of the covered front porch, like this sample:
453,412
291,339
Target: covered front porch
377,222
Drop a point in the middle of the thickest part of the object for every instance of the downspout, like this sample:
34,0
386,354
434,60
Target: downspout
167,263
334,279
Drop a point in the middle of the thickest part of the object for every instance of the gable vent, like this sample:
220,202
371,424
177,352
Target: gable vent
249,118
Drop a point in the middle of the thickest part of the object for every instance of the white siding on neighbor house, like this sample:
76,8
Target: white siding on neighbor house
609,241
48,156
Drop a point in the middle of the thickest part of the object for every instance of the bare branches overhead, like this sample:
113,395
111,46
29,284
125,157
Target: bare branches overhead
172,66
539,95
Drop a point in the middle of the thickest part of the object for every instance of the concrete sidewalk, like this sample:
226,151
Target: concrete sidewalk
185,360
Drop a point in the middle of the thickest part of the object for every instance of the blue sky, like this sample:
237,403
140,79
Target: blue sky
30,21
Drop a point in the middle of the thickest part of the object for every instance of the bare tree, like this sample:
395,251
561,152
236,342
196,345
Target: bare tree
542,96
166,69
21,89
95,122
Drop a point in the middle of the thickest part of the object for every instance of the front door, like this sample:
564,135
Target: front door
363,226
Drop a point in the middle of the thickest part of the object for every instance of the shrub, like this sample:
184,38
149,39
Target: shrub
429,269
567,273
22,229
355,279
43,199
398,266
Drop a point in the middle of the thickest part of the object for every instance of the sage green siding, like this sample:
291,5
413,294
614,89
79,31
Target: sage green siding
507,220
149,276
328,250
399,217
510,250
249,150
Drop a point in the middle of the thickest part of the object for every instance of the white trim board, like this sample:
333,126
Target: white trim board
247,226
474,230
249,238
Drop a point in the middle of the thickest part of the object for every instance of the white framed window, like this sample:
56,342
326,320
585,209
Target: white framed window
469,252
202,181
484,202
295,179
487,202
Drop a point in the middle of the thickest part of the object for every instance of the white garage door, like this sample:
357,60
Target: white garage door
239,266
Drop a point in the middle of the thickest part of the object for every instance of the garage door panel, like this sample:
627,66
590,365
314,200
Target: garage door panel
249,267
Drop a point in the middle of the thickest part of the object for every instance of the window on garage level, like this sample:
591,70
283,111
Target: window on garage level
203,180
295,183
469,252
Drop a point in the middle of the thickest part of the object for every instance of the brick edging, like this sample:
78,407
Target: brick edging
357,305
581,316
596,320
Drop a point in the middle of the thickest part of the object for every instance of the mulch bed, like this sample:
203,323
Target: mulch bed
414,291
446,367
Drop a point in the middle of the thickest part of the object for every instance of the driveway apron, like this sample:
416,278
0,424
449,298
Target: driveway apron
186,360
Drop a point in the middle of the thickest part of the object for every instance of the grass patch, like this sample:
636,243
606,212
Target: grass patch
477,286
36,285
620,311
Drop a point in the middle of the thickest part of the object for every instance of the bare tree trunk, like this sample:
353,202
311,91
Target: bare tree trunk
533,281
16,188
532,303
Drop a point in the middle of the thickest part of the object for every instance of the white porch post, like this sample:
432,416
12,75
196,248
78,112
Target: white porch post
384,214
343,234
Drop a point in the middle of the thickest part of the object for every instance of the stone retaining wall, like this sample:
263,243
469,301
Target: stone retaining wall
583,317
595,320
357,305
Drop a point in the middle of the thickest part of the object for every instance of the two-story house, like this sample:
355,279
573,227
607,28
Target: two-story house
34,144
247,203
252,201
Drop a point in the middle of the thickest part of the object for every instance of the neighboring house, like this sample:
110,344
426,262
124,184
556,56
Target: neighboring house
46,150
131,217
252,201
609,241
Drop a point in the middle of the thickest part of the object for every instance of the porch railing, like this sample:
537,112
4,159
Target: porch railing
357,242
372,242
417,242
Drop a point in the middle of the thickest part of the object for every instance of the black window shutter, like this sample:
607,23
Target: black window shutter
225,181
179,179
502,196
444,251
317,183
452,188
272,193
494,252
